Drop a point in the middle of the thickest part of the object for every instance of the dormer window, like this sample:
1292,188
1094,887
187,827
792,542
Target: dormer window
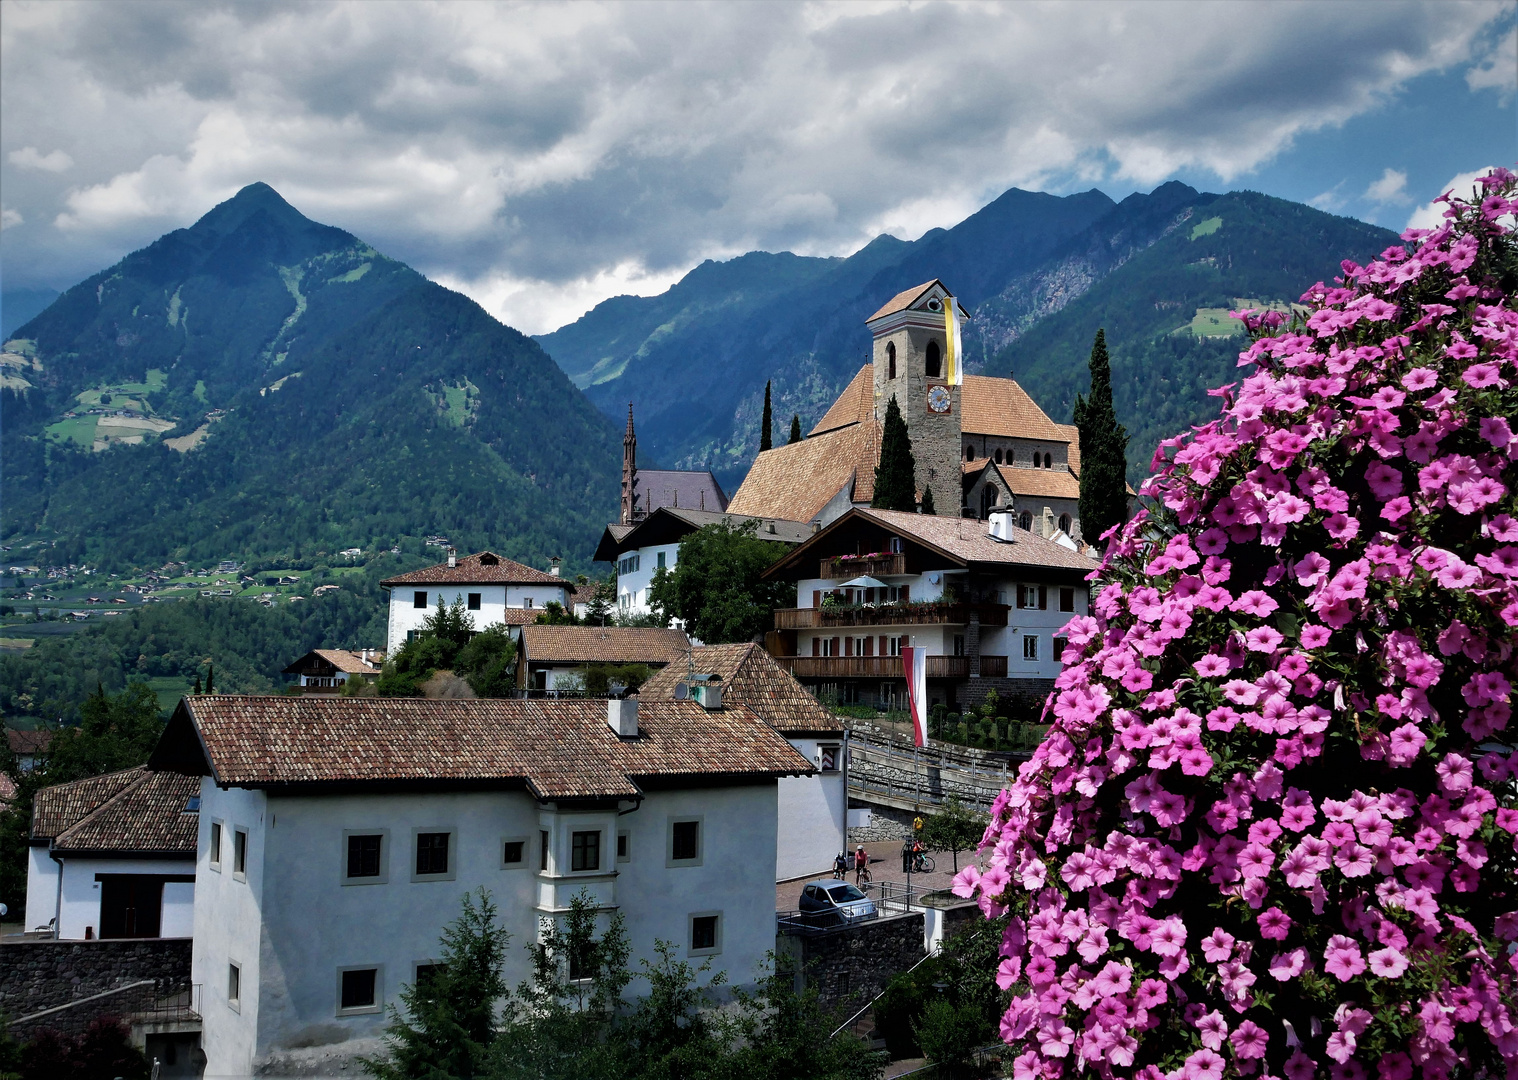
488,559
935,361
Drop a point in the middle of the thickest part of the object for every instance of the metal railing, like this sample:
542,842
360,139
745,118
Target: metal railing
887,667
852,566
930,614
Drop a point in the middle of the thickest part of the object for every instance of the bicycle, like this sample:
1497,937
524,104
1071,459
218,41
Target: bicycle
862,876
923,864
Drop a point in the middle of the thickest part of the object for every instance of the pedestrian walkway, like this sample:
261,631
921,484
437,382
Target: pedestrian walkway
885,865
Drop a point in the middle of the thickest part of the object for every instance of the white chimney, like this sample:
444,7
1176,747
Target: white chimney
554,566
709,694
999,524
453,558
622,716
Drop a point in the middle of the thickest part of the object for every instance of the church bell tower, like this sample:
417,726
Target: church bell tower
629,472
910,353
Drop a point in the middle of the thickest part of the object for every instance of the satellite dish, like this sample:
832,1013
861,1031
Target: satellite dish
682,691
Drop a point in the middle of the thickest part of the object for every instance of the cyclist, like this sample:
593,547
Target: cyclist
840,867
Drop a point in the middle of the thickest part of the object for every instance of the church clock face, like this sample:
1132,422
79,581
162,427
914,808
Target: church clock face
939,400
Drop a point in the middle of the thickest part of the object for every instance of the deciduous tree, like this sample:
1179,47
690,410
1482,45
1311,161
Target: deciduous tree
715,587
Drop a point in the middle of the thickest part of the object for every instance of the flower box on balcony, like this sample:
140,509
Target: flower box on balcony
875,564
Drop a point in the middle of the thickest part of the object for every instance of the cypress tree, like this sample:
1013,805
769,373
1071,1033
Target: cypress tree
795,429
1104,446
927,501
197,682
210,671
765,439
895,486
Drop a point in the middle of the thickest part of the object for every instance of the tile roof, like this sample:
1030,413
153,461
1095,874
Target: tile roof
603,644
667,523
62,805
137,809
345,660
28,742
690,490
991,406
560,748
856,405
750,677
516,616
1040,483
797,480
906,298
970,541
149,815
481,568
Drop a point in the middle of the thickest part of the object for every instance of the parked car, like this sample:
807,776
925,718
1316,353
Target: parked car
834,903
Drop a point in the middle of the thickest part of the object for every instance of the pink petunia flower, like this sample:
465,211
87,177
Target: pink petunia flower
1250,1041
1274,924
1387,963
1264,639
1342,958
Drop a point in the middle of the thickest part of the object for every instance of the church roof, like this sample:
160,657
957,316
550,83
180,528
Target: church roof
797,480
856,405
688,490
907,297
1040,483
992,406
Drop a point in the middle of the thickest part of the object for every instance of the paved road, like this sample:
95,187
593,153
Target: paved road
885,865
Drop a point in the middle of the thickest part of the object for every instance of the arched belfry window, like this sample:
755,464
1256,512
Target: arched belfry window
1064,524
998,457
890,360
935,363
1025,520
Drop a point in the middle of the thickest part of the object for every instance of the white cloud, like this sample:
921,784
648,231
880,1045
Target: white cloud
1499,69
9,218
1431,215
28,157
1391,188
536,307
525,149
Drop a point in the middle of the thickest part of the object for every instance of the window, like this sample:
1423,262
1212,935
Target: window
661,561
998,457
240,852
1067,599
1065,523
890,360
934,361
1033,596
1030,646
474,601
630,564
1025,520
959,644
527,603
419,598
543,851
623,848
432,855
234,985
365,857
827,758
215,846
513,851
358,990
426,972
585,851
685,842
705,933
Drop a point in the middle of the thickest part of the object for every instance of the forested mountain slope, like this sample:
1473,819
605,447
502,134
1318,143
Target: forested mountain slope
261,385
1039,274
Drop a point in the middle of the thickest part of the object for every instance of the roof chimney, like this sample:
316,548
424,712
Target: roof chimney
622,716
709,694
553,567
453,558
999,524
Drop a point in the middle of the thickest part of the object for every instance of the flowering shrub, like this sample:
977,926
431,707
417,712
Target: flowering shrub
1271,831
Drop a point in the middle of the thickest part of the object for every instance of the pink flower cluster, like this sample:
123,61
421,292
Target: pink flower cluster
1271,830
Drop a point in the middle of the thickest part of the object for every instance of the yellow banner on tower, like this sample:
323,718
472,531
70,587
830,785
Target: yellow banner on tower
954,369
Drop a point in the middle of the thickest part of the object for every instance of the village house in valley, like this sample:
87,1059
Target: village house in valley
491,588
327,671
382,813
113,856
977,445
554,658
811,809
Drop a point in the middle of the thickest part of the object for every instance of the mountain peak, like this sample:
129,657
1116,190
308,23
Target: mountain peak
257,197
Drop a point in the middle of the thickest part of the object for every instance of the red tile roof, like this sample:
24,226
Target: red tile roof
138,810
28,742
481,568
603,644
558,748
750,677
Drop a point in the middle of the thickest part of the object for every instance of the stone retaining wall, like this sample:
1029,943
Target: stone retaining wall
37,975
850,965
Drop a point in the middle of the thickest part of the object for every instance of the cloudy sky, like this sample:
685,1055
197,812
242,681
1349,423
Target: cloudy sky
543,157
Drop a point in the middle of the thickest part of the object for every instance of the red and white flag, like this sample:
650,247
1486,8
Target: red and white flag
914,664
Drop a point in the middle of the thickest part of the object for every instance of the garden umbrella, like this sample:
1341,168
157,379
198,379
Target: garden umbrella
865,582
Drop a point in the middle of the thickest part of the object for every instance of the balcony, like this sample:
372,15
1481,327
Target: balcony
930,614
887,667
846,567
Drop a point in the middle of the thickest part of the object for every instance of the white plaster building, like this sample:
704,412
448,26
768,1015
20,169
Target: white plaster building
113,856
338,836
811,809
492,589
641,550
986,599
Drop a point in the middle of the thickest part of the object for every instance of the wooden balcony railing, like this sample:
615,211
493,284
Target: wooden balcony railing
887,667
847,567
956,614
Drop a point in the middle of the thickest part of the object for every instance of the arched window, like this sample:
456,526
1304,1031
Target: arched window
969,453
998,457
1064,524
987,500
1048,461
890,360
1025,520
934,362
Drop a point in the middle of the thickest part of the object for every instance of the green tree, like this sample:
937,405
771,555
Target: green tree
795,429
210,677
488,662
895,483
197,689
955,828
716,588
927,501
599,607
1104,447
446,1026
765,438
435,648
785,1034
